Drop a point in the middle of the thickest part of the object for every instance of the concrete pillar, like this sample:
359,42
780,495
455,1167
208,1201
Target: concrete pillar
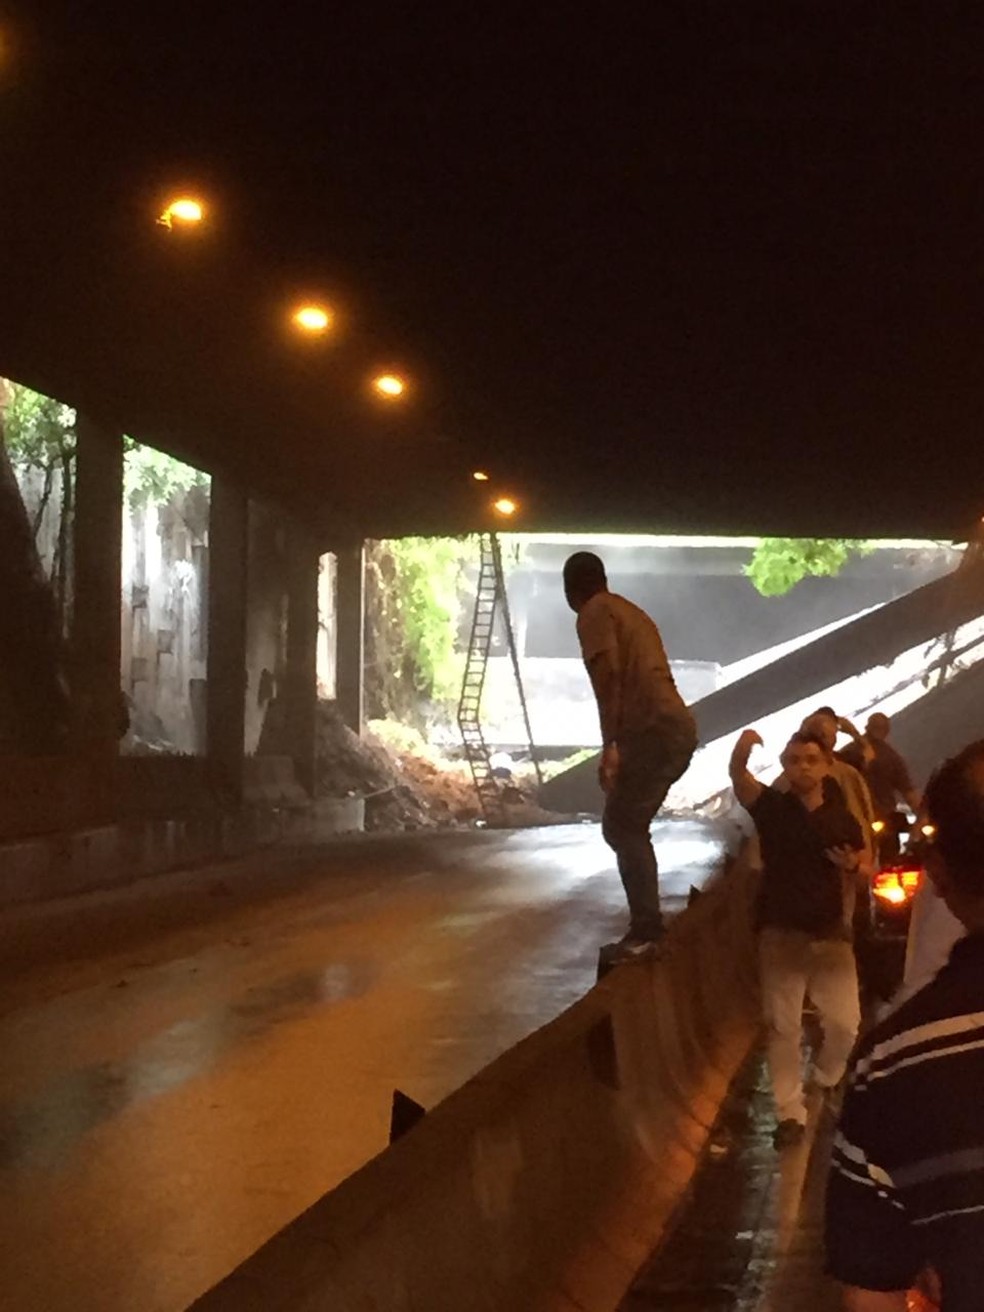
228,541
301,680
95,626
351,619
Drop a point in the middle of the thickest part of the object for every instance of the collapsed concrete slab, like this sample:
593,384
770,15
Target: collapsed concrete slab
941,722
875,638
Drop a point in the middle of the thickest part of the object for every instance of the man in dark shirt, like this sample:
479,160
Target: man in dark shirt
846,768
887,776
811,846
906,1189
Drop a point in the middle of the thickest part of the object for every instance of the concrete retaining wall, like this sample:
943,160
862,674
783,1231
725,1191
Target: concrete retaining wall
169,820
544,1182
61,865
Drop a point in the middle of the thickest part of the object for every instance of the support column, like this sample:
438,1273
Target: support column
301,682
228,541
95,627
350,619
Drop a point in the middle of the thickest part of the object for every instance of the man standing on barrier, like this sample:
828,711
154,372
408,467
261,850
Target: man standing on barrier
648,735
811,853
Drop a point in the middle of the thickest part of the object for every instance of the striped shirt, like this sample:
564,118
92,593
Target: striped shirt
906,1186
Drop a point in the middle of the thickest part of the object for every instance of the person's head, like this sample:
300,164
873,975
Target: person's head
955,806
584,576
878,727
822,724
805,760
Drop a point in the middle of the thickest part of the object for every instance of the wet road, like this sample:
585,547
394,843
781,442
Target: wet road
749,1237
171,1097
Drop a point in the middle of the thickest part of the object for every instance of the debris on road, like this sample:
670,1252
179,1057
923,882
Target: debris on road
407,783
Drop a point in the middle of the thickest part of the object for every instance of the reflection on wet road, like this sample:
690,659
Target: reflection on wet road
749,1237
157,1126
39,1132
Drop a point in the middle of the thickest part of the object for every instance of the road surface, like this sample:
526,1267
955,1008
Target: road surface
190,1064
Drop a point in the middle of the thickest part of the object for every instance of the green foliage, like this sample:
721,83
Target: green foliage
39,431
427,601
414,603
152,475
778,564
400,739
39,435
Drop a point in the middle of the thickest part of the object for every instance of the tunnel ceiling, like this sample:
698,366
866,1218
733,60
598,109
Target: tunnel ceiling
695,270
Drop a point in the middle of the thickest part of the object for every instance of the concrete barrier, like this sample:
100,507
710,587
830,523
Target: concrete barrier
545,1181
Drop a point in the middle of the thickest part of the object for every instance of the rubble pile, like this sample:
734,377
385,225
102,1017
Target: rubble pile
403,788
447,786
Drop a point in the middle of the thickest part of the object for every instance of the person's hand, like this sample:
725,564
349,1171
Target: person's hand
843,857
608,767
750,738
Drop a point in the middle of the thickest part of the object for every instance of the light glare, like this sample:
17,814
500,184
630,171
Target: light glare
182,210
505,506
389,385
312,318
891,893
480,476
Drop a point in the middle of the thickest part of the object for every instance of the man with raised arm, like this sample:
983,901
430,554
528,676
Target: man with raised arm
811,847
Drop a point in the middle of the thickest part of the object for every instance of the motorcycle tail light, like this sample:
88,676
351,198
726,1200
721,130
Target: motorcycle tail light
909,879
889,887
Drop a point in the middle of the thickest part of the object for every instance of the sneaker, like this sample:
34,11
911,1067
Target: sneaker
788,1134
633,945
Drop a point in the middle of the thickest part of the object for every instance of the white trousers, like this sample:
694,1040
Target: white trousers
792,967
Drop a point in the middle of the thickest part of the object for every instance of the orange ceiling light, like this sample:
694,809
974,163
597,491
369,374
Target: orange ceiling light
389,386
313,319
182,212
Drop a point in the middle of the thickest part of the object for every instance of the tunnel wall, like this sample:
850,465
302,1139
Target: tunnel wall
66,829
545,1181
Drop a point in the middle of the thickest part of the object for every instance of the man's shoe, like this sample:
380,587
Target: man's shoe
788,1133
631,946
634,945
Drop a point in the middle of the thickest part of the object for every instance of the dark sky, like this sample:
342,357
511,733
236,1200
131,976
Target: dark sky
691,265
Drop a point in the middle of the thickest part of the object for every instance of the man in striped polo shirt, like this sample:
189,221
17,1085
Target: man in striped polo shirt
906,1188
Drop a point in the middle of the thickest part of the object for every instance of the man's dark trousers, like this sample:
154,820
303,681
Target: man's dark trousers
649,764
